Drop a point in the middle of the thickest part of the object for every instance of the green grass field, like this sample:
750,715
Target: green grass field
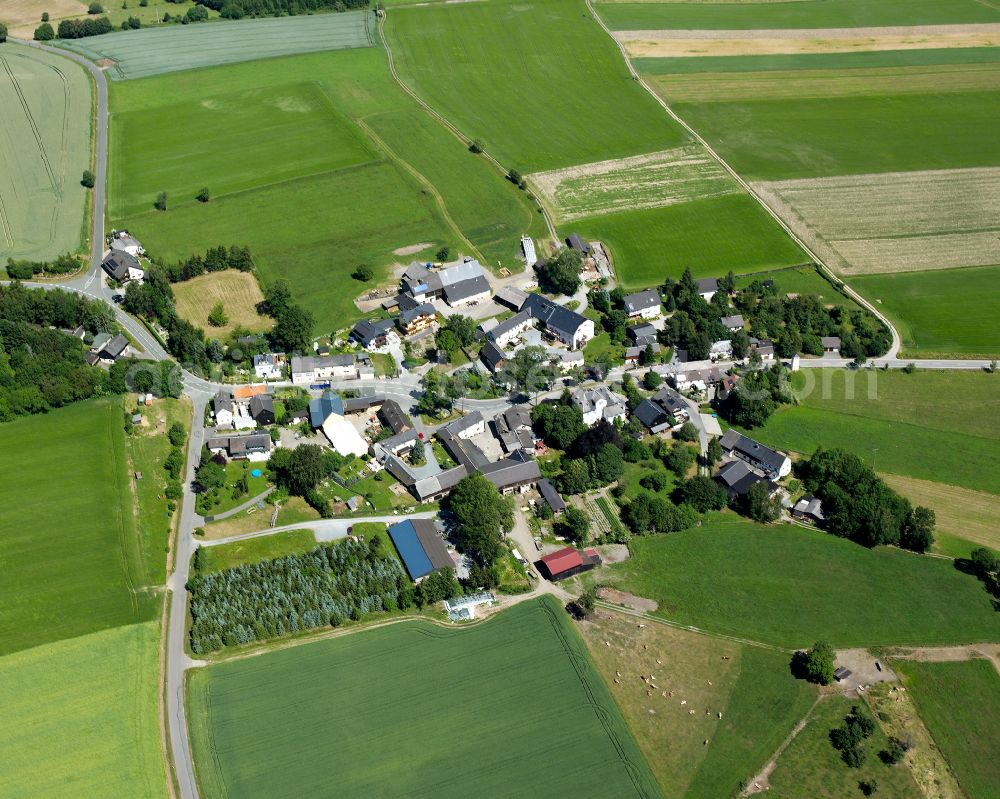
789,586
917,425
79,717
566,97
285,132
70,552
960,704
804,14
783,139
417,185
765,704
805,280
810,766
711,236
154,51
45,141
414,709
254,550
946,313
845,61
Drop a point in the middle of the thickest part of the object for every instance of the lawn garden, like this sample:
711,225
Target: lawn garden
443,717
46,145
253,550
959,703
789,587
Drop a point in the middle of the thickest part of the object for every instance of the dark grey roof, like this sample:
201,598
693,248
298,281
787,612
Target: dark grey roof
669,401
551,496
732,321
578,244
464,423
652,415
118,263
554,315
464,289
114,348
416,312
512,471
258,442
394,416
707,284
517,416
465,452
831,342
406,302
507,325
355,404
734,441
492,355
635,352
367,330
222,401
438,483
637,332
640,301
514,297
432,543
260,403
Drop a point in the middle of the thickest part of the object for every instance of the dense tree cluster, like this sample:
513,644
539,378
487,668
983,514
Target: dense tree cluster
327,586
850,738
238,9
561,273
439,395
80,28
25,270
859,505
648,513
480,517
215,259
42,368
815,665
293,325
757,396
457,332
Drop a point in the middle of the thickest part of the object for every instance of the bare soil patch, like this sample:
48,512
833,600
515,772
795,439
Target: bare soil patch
693,43
627,600
412,249
23,16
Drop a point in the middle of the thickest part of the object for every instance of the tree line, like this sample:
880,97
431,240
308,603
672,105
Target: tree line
237,9
25,269
42,367
330,585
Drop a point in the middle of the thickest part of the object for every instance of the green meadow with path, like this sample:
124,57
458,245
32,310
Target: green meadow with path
414,709
45,144
788,586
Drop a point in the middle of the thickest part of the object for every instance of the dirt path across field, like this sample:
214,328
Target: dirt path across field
950,654
681,43
759,782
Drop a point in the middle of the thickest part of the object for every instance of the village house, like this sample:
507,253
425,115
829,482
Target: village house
809,509
695,379
513,429
254,447
270,366
378,334
506,332
643,305
575,242
764,347
327,413
721,350
569,327
393,416
738,477
261,408
122,267
417,319
106,349
733,323
707,287
459,283
634,354
598,403
552,497
642,334
121,240
492,357
570,360
319,369
831,345
773,464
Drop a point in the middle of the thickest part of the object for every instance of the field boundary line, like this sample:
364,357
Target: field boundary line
420,178
690,628
122,544
34,127
896,340
451,127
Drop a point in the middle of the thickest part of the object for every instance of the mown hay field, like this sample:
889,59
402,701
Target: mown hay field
641,181
154,51
67,528
710,236
414,709
971,517
417,184
944,313
566,98
916,425
810,766
237,291
960,704
778,584
752,688
895,222
79,717
241,140
756,14
44,148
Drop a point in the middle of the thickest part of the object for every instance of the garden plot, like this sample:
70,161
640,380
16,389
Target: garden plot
642,181
895,222
696,43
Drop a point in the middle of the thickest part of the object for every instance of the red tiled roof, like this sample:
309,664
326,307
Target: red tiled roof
246,392
563,560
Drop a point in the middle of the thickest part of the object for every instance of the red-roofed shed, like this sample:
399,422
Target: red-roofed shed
565,563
